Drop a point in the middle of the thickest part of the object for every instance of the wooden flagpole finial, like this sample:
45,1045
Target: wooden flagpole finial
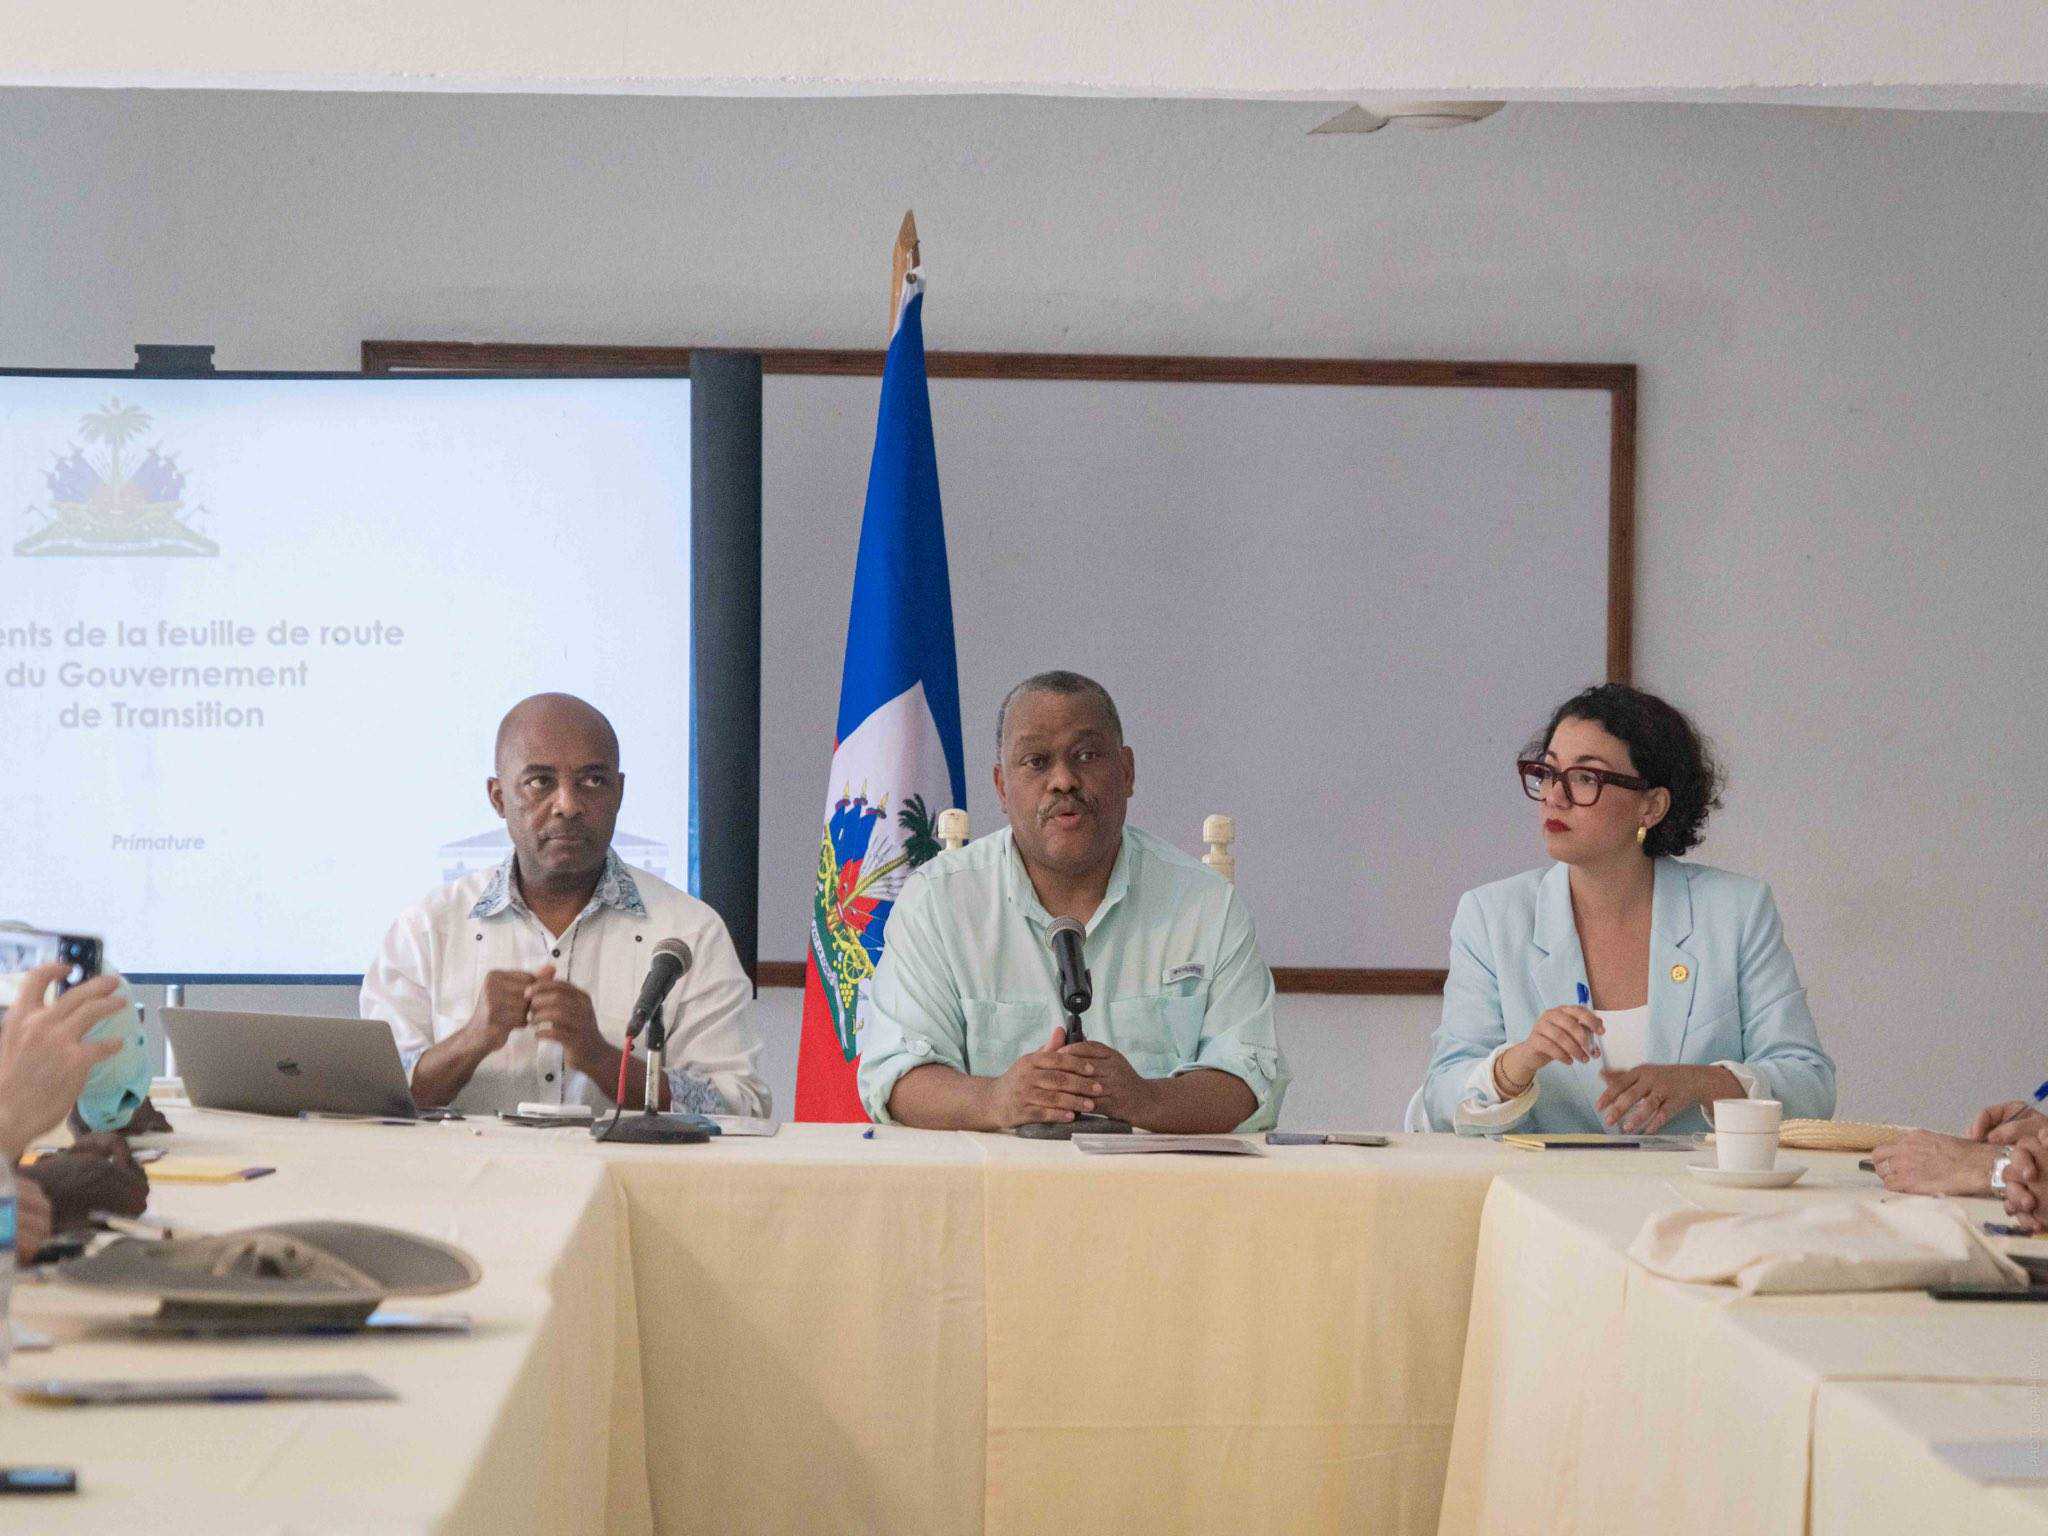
1220,833
904,259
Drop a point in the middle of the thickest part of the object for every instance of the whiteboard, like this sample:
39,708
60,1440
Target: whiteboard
1335,611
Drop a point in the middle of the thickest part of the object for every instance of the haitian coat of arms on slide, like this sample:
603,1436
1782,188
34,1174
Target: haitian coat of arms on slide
103,505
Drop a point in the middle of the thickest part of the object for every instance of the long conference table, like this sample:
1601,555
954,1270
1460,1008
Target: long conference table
910,1331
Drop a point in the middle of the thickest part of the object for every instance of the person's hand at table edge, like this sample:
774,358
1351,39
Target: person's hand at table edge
1206,1101
97,1172
2026,1187
1929,1163
34,1222
44,1055
1564,1034
563,1013
1643,1100
147,1120
1043,1087
445,1067
2016,1120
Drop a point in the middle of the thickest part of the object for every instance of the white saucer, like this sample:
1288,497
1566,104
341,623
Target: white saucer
1748,1178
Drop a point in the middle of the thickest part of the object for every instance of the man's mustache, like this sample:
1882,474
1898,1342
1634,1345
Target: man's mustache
1052,808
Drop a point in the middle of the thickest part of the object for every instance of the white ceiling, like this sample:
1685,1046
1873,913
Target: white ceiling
1985,55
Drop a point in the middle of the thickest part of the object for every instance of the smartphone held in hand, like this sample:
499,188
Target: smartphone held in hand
22,949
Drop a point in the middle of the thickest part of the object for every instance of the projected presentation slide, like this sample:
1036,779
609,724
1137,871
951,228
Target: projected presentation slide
256,636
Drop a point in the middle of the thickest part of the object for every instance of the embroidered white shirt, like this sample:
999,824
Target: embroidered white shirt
430,971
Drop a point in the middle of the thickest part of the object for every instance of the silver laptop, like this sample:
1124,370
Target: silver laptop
288,1063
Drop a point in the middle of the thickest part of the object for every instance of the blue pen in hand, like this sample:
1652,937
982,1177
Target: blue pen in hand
1586,1001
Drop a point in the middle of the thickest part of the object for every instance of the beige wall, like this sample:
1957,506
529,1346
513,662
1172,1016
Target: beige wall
1844,443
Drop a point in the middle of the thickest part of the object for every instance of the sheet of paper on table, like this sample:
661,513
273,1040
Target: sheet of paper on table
1998,1461
744,1125
1139,1141
1552,1141
337,1386
203,1170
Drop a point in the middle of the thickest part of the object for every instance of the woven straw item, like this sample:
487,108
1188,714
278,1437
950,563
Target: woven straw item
1837,1135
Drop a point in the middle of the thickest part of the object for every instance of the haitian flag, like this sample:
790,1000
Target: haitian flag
898,760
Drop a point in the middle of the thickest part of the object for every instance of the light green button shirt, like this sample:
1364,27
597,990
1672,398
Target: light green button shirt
967,977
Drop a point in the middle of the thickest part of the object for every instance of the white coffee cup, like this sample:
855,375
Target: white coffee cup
1746,1151
1752,1115
1746,1134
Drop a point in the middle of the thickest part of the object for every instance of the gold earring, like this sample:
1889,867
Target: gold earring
1642,835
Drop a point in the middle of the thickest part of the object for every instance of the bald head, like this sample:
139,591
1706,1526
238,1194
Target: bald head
558,786
554,714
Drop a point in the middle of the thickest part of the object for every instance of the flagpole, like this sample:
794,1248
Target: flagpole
904,258
899,692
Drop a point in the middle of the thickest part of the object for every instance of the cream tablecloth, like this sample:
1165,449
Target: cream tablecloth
828,1331
1226,1344
1597,1397
530,1423
1874,1467
913,1332
923,1332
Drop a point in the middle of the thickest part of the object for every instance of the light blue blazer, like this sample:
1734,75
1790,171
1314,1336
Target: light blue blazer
1515,953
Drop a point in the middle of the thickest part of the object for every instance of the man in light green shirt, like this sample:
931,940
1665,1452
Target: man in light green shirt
961,1027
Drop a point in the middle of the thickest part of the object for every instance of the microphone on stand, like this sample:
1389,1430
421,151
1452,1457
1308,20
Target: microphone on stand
1077,987
666,966
1077,994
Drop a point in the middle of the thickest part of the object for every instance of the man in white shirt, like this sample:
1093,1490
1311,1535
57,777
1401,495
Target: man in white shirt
514,985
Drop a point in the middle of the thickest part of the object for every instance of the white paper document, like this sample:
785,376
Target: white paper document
1138,1141
1998,1461
744,1125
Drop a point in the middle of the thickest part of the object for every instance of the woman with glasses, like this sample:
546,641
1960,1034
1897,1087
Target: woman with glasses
1620,988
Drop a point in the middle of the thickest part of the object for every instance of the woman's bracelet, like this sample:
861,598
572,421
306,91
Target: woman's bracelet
1500,1081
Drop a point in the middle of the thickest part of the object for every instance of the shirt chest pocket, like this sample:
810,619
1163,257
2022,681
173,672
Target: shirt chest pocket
999,1033
460,977
1159,1033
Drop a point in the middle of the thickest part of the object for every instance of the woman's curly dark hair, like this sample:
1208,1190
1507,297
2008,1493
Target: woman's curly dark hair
1666,749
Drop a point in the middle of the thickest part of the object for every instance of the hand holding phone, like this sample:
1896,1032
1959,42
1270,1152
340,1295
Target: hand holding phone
22,949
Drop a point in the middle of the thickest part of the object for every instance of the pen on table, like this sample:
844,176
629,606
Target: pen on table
144,1226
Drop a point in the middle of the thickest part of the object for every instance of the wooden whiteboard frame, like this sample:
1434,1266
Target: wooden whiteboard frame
1617,380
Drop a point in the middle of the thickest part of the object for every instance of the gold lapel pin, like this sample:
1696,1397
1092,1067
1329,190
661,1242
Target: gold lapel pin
1679,973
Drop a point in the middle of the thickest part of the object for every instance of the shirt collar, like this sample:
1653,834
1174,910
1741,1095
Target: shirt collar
615,890
1018,889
